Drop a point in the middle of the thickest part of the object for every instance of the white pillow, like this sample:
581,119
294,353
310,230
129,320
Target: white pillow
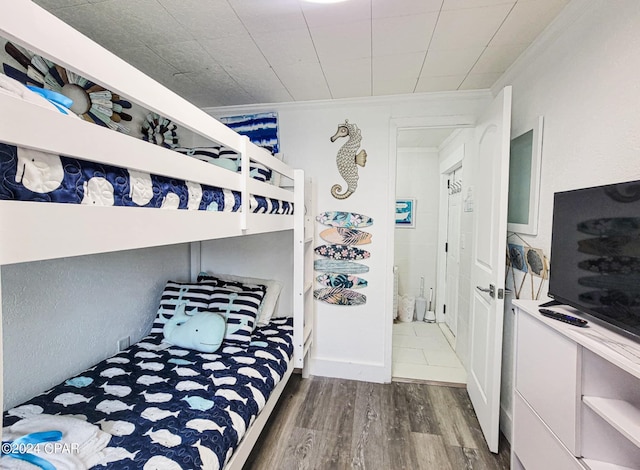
270,301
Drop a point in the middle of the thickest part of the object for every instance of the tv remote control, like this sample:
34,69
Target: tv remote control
563,317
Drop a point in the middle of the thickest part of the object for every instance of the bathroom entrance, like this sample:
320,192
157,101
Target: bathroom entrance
428,208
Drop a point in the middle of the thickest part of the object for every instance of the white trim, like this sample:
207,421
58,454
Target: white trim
422,122
506,423
531,227
362,371
390,252
21,238
447,166
242,452
391,100
95,143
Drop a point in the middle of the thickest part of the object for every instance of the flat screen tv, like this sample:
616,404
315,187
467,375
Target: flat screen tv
595,253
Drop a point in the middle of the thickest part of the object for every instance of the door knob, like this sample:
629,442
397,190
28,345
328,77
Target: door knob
491,290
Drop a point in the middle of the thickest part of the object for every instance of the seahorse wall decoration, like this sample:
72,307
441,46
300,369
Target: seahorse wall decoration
348,158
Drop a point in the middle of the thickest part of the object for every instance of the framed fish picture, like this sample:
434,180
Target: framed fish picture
405,213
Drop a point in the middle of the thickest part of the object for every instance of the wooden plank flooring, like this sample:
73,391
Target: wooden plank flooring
323,423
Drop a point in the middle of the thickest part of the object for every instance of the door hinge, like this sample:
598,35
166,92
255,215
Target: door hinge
448,184
446,247
444,308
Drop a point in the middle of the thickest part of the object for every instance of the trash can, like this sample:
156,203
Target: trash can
405,310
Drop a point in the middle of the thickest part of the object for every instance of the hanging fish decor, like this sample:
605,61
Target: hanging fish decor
348,159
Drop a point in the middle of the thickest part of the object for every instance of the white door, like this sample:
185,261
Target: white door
453,251
490,181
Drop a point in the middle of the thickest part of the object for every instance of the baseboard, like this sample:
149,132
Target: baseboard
506,423
364,372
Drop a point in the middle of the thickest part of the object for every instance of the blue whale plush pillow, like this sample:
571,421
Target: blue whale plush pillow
200,331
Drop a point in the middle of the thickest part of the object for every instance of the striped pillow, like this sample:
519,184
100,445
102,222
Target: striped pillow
220,156
195,296
239,304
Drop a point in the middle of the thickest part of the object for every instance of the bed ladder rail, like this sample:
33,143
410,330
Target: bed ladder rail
303,306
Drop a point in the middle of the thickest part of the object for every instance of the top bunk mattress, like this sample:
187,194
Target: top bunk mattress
30,175
168,407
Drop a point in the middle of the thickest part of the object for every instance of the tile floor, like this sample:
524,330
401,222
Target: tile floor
421,351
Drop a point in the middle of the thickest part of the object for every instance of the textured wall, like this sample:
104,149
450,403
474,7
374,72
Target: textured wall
62,316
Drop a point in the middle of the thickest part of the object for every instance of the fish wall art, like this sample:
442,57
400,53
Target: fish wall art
349,157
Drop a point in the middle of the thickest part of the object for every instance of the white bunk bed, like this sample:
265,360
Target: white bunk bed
23,223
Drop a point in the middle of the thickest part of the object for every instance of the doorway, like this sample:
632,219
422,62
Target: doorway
482,263
423,350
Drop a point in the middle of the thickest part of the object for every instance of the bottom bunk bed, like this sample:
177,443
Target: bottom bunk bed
160,406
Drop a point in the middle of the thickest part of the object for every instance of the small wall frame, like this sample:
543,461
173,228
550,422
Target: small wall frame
405,213
524,180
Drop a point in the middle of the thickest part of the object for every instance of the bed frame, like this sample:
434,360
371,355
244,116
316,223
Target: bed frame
23,223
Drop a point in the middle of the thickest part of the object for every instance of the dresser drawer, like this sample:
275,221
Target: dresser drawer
535,445
547,374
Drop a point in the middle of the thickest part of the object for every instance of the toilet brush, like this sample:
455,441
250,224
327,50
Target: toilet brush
430,316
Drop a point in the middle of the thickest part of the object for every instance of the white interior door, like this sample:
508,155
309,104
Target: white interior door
453,252
490,186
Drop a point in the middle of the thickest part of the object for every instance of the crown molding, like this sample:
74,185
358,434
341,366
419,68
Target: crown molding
409,98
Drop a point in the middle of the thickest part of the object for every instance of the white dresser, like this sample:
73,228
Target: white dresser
576,397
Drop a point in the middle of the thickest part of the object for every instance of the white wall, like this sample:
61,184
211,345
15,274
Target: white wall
62,316
415,248
582,76
355,342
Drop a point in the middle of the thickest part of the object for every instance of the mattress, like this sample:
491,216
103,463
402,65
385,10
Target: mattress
29,175
171,404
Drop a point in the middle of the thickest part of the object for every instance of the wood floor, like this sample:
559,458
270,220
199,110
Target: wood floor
323,423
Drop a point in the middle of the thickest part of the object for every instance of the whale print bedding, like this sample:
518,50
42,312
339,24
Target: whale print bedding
30,175
168,407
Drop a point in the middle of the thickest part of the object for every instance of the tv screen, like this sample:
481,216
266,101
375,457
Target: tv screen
595,253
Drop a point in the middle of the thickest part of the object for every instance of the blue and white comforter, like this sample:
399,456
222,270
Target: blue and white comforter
29,175
178,407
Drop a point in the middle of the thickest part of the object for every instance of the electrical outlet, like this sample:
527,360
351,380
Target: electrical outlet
124,343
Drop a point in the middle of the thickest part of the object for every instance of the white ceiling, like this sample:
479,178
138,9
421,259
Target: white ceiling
422,138
232,52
